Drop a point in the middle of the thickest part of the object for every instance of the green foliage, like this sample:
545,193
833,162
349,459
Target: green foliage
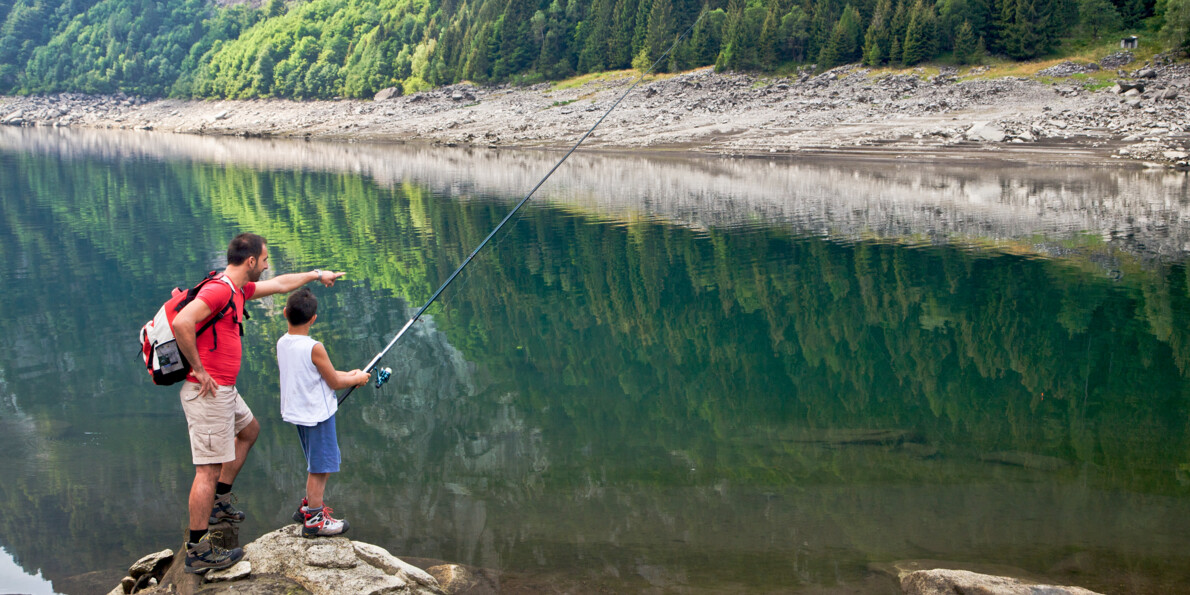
354,48
1176,29
964,44
1097,16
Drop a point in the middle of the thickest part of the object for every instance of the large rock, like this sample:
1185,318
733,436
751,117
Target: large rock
460,580
389,93
151,563
332,565
961,582
983,131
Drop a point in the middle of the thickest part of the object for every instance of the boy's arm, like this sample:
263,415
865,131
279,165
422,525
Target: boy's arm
336,379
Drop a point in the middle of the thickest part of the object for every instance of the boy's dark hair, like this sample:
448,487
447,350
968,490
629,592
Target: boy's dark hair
301,307
243,247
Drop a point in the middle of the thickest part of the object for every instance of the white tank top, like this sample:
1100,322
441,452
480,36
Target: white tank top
306,399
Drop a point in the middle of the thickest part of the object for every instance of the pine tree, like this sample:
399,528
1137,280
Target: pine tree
593,53
895,52
769,35
1098,16
915,48
1025,39
1002,25
964,43
1132,12
873,44
661,31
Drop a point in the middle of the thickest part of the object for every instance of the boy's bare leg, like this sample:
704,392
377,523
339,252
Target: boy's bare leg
315,485
202,495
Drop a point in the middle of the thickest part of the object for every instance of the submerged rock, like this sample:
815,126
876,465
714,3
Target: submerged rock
961,582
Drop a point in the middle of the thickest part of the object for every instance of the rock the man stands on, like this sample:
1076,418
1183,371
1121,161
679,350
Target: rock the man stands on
222,428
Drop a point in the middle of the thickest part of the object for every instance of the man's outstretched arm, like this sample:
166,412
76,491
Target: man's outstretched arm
291,281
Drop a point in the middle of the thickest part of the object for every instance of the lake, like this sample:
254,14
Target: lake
665,375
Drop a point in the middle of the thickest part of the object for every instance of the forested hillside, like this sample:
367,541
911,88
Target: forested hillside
354,48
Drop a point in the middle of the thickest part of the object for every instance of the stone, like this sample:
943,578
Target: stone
1146,73
961,582
983,131
333,553
119,590
387,93
460,580
1175,155
1132,93
151,563
1169,93
127,583
240,570
380,558
284,552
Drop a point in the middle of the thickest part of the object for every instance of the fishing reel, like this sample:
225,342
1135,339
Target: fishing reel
382,376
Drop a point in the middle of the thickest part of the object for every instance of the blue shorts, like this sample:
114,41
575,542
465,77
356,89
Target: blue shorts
321,447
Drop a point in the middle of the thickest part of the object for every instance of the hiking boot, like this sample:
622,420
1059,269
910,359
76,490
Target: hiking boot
300,515
319,523
224,511
204,556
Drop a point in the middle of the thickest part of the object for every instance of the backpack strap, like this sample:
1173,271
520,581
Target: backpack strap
192,293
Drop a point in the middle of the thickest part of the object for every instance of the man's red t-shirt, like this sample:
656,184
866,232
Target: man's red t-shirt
223,364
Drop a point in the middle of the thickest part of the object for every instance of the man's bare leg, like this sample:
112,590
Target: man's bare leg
244,441
202,495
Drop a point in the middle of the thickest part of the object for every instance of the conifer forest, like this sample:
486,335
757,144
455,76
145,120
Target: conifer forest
321,49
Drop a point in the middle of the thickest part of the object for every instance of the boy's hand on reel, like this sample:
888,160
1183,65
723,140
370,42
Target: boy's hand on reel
361,377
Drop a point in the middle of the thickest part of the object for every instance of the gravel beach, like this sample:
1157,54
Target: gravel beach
943,114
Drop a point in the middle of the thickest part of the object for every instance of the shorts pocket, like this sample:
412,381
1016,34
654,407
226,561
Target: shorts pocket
212,443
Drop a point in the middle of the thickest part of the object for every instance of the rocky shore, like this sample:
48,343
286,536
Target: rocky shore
941,114
282,562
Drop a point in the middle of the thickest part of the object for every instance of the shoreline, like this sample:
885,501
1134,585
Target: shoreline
849,112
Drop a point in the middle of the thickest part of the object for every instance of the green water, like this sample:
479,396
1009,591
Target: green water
666,376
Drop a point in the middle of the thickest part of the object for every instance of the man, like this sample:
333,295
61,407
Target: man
222,428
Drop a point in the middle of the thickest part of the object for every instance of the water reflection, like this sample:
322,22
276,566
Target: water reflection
711,387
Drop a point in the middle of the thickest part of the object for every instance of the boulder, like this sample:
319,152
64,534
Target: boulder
151,563
983,131
387,93
460,580
1168,94
961,582
332,565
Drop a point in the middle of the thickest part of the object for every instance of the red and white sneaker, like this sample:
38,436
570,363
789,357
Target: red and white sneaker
320,523
299,515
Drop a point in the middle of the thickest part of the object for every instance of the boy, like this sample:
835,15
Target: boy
308,385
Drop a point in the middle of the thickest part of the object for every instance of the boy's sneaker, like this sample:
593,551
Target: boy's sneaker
300,515
224,511
204,556
319,523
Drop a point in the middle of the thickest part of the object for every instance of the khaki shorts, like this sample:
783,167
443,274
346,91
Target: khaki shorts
214,422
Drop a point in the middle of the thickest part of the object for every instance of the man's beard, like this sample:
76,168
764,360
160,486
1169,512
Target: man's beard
254,276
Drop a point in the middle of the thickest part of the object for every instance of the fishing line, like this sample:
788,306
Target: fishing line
384,373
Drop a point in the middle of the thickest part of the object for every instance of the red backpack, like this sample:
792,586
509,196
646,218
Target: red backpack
163,359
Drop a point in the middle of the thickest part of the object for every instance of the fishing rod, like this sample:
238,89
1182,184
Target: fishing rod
383,374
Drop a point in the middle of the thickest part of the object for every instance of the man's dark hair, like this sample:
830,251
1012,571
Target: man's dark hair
243,247
301,307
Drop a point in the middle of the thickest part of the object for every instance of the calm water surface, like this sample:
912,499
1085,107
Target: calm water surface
666,376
